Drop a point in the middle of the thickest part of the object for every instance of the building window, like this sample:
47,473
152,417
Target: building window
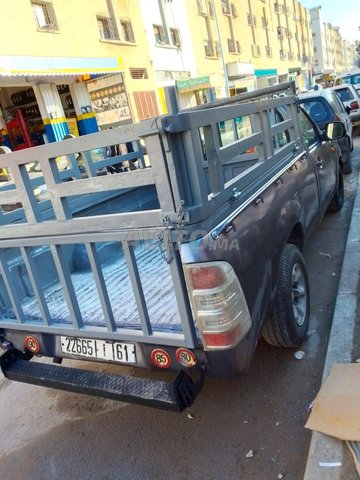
268,51
175,37
44,15
106,28
201,6
209,49
233,46
127,31
255,50
139,73
159,33
226,7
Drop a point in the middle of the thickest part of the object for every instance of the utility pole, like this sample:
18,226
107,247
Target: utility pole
227,89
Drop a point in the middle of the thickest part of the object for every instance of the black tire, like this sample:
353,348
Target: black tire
337,200
288,324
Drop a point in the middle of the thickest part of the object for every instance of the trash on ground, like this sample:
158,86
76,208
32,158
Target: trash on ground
299,355
278,423
280,475
330,464
327,255
333,274
191,416
357,360
250,454
310,407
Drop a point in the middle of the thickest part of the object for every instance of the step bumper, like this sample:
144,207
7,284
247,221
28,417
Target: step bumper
174,396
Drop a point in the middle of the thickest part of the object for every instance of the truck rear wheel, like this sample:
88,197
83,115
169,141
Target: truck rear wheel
288,324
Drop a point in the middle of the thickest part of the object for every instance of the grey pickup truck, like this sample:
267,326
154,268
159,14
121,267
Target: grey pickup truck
178,264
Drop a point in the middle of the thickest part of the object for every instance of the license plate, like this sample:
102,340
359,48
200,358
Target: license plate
100,349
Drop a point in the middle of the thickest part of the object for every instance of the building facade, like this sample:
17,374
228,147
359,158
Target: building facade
332,54
93,64
76,66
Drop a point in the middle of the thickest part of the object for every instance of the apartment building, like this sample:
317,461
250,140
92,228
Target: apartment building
75,66
330,55
90,64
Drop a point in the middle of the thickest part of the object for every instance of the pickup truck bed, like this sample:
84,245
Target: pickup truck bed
155,279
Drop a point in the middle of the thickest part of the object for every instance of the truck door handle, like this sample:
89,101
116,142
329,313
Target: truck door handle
319,163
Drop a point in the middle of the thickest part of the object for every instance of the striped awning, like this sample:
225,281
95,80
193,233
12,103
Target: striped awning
30,66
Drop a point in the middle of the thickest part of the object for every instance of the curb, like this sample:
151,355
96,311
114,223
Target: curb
324,448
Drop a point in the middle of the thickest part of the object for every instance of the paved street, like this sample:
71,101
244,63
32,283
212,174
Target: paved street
54,435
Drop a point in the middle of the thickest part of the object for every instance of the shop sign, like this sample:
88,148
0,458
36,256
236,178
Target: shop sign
109,100
195,83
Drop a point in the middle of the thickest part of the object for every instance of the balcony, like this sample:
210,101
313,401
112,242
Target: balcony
283,55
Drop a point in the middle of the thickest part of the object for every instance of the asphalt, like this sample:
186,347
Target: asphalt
343,347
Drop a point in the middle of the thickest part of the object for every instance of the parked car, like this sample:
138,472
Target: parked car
349,78
350,97
324,106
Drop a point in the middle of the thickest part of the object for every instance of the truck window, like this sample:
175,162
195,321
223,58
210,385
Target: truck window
234,129
344,94
282,138
309,133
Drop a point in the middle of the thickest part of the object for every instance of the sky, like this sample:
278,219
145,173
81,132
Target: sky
343,14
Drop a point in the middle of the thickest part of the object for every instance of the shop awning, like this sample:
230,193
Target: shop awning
18,66
270,72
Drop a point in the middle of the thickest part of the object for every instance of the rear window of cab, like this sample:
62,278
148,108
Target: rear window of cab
319,111
344,94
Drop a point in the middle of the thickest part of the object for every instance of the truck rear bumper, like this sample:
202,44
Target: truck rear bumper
175,396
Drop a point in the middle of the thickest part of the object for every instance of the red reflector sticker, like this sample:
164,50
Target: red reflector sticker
160,358
186,357
32,344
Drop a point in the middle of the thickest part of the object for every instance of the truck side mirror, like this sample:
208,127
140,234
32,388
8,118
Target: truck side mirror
334,130
348,109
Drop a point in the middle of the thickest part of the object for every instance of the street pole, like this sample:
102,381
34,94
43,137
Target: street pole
227,89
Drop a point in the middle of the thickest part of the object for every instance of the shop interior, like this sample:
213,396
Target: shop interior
22,115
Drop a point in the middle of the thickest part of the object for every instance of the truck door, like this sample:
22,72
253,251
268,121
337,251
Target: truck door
322,154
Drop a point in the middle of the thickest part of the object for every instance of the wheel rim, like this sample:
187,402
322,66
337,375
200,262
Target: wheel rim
298,292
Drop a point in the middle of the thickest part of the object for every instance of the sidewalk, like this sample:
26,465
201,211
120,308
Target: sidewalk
340,349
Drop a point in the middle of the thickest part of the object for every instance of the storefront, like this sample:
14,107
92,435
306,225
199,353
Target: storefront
194,91
42,99
241,77
109,101
266,77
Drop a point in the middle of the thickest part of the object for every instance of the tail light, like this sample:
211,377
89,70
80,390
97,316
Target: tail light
218,304
354,105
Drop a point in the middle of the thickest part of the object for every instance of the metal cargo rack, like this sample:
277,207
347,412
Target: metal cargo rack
197,174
